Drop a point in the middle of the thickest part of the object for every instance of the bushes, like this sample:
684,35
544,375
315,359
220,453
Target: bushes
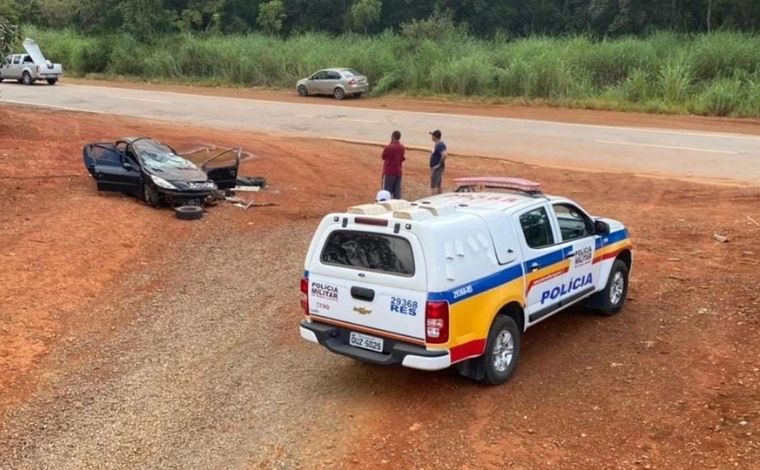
720,98
674,80
470,75
716,74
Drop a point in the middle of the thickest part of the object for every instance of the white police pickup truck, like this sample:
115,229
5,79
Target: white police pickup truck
457,278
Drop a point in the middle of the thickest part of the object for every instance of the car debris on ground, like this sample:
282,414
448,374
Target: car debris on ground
720,238
244,204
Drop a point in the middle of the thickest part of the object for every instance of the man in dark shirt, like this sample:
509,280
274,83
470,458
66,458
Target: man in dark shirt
437,162
393,156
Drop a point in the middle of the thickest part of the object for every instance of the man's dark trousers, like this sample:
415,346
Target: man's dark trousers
392,184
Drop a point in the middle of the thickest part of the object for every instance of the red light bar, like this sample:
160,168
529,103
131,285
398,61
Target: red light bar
517,184
371,221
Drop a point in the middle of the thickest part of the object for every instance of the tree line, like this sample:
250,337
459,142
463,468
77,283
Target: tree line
146,19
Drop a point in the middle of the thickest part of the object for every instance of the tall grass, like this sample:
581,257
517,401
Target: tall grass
716,74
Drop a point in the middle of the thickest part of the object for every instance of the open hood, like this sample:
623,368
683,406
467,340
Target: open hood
34,51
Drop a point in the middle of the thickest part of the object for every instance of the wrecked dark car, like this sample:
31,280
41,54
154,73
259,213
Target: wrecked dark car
157,174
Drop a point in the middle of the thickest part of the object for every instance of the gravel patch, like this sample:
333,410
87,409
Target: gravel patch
211,373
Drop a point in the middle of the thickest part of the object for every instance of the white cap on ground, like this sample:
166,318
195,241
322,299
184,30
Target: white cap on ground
383,195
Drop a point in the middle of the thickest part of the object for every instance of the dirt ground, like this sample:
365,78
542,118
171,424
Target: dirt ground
432,105
92,295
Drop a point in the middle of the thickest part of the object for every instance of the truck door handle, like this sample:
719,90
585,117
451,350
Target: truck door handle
570,255
362,293
534,267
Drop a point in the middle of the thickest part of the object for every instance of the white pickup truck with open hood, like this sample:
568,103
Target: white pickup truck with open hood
30,67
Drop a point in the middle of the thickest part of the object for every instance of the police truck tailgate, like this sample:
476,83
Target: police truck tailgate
367,282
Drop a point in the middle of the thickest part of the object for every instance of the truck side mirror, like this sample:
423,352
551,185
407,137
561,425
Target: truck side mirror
601,227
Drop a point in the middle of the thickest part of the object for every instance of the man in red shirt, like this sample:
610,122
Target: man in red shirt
393,156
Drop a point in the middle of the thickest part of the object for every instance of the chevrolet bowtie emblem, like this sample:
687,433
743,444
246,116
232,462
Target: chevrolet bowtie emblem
362,310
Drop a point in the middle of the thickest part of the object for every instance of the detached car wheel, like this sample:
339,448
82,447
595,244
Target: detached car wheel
188,212
339,94
502,350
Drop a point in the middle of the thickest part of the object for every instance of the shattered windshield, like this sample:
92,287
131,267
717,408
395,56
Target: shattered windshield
160,157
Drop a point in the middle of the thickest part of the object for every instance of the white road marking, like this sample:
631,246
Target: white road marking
54,106
672,147
146,100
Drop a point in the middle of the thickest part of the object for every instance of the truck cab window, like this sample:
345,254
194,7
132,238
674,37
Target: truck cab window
573,224
537,228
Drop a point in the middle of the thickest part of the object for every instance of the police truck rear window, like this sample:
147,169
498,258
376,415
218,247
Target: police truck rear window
369,251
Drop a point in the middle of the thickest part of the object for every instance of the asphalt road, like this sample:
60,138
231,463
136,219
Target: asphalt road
702,155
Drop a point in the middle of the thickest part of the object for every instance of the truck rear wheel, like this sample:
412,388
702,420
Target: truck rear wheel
26,78
52,81
499,360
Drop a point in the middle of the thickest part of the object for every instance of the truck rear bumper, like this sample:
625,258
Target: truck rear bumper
395,352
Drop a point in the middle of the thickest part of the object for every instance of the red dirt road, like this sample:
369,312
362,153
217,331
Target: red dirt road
672,382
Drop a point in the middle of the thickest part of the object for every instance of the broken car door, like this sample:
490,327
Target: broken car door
223,168
112,169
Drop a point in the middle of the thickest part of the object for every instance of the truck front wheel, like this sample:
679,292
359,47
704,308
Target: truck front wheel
612,298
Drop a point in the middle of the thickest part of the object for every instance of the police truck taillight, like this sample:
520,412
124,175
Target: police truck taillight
437,322
305,295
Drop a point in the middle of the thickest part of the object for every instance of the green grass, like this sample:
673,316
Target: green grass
716,74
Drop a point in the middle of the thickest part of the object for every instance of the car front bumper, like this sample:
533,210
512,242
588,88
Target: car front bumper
394,352
190,194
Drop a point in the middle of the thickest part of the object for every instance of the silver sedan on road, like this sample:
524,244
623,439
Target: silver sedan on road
338,82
